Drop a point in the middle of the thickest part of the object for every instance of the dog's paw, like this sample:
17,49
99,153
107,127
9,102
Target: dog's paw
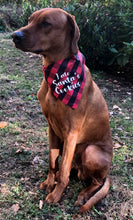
52,198
42,186
45,186
79,202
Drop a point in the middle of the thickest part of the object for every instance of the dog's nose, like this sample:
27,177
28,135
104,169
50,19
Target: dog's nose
17,36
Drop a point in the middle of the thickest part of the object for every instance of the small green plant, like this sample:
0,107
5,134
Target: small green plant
2,26
27,9
122,56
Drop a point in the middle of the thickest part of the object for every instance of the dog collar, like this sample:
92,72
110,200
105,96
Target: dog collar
66,79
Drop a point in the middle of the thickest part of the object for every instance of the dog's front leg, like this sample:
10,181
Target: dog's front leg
65,167
54,150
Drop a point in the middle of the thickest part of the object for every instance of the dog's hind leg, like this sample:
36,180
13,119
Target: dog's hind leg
98,195
95,165
86,193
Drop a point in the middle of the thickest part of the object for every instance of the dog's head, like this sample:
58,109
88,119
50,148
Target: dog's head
49,31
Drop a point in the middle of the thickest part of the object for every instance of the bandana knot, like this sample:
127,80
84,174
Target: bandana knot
66,79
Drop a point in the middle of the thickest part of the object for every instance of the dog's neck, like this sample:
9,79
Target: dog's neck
53,57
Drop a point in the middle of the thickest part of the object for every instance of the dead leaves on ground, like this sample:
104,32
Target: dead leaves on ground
15,208
3,124
4,189
40,204
117,145
115,109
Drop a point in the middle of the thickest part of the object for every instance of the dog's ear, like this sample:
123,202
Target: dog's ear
75,33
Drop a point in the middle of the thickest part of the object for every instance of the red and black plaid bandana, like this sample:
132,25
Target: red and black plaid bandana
66,78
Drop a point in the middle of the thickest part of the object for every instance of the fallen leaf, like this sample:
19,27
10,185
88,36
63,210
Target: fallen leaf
121,113
15,208
111,113
4,190
117,139
18,151
117,145
22,149
116,107
3,124
25,148
24,179
40,204
32,193
37,160
129,160
125,184
16,144
115,81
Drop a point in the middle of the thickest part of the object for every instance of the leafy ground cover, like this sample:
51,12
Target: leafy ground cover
24,145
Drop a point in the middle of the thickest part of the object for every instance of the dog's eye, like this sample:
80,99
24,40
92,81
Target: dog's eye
45,24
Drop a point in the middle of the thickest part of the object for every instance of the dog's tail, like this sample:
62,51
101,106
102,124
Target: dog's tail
97,196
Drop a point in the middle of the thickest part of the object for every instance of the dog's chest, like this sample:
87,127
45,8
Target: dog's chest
51,108
49,104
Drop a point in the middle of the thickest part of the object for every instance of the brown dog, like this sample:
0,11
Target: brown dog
80,133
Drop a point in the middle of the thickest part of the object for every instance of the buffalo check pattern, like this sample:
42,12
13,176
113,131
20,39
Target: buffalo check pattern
66,79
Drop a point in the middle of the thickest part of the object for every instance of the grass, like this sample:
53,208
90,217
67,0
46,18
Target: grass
26,138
